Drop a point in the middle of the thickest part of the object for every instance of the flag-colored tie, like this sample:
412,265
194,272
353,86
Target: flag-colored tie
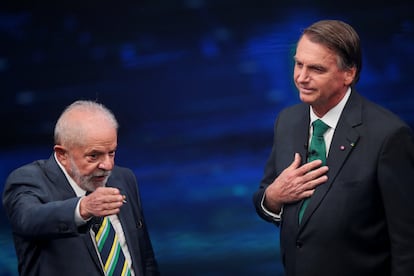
317,150
113,258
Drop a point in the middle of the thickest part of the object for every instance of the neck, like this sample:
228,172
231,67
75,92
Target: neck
320,109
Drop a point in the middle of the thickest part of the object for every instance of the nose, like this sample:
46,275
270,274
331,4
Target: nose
106,163
302,75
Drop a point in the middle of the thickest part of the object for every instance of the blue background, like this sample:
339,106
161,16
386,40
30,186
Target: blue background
196,86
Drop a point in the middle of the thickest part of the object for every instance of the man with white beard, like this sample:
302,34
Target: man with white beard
61,209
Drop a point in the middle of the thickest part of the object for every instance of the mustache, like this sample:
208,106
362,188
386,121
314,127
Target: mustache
101,173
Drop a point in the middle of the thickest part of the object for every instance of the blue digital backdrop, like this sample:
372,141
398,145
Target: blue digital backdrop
196,86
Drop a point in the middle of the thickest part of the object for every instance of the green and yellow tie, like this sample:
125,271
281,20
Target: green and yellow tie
110,249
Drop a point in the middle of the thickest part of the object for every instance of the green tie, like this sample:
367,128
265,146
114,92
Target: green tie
317,150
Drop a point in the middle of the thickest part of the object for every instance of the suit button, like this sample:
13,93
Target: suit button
299,244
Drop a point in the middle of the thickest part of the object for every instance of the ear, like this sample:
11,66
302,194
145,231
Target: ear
349,76
61,154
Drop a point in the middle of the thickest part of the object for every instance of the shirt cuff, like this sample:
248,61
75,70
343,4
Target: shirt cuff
275,217
78,218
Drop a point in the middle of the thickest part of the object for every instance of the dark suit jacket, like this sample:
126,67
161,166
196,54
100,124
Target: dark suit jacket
40,204
361,221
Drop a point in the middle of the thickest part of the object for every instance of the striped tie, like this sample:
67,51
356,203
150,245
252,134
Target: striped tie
109,247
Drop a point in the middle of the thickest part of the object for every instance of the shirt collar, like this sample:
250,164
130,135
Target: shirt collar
78,190
331,118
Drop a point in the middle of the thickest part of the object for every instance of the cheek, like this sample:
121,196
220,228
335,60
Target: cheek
86,168
295,74
334,85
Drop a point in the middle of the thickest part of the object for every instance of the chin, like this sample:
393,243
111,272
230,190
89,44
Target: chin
99,184
309,99
93,185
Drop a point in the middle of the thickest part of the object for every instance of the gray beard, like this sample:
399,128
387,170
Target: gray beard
85,181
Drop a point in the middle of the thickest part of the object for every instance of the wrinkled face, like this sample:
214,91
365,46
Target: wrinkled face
88,182
319,80
90,164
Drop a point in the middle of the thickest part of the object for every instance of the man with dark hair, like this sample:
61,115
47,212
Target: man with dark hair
339,180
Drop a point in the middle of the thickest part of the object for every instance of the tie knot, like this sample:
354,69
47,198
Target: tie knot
319,128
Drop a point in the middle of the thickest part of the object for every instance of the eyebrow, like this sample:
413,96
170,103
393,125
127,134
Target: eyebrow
312,65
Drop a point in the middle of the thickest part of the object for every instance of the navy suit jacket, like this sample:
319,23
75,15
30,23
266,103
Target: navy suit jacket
40,204
361,221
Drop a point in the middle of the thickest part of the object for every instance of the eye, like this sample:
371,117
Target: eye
298,64
317,69
93,156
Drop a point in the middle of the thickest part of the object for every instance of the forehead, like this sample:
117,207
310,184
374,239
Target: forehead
98,137
314,53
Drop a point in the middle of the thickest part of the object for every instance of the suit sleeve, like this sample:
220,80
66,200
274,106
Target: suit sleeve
31,210
269,176
396,180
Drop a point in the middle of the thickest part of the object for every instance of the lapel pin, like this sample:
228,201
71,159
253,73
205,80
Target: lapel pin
352,144
342,147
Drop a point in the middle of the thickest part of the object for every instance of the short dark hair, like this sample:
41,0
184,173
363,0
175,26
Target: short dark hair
341,38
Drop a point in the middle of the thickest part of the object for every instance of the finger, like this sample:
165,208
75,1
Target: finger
307,167
307,193
107,212
108,199
108,191
115,191
315,173
312,184
112,205
112,211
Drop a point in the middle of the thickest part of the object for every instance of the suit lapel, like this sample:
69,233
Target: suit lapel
345,139
88,239
56,175
131,239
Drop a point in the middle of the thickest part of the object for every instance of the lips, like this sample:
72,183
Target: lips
306,90
99,178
